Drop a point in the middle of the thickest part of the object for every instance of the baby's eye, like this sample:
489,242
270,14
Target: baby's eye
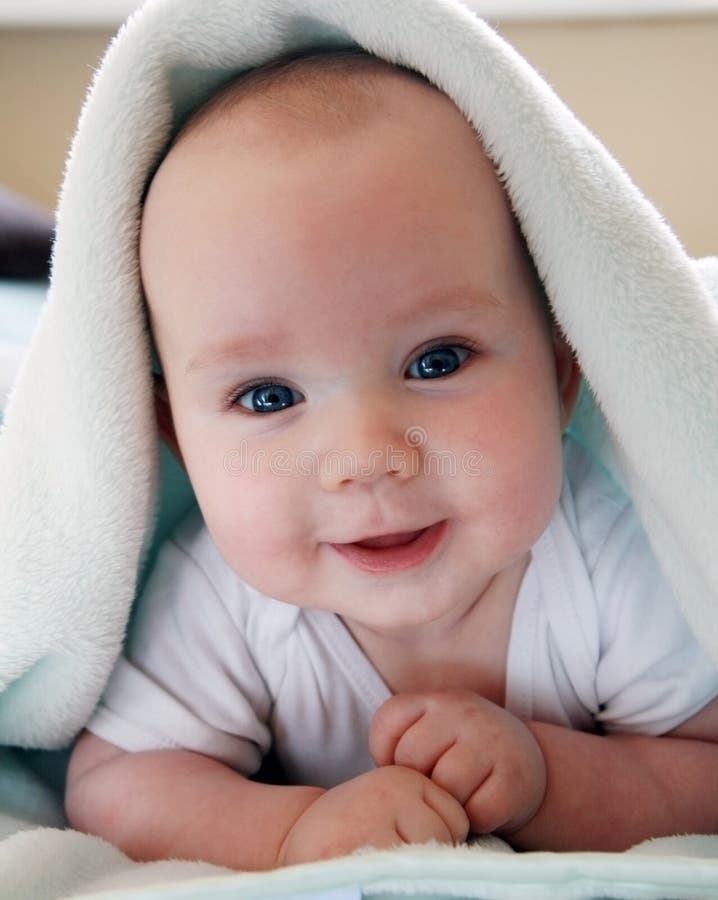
438,362
268,398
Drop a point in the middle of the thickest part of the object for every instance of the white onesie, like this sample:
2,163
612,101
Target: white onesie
597,643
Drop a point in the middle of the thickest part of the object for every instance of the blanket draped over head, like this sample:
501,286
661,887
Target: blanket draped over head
80,480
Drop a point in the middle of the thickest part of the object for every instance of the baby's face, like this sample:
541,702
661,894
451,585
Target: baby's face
354,349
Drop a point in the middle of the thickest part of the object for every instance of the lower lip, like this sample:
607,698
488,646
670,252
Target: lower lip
394,559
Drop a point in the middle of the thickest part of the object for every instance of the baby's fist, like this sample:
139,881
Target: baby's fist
382,808
478,752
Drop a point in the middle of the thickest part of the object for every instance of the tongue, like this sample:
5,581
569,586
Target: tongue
390,540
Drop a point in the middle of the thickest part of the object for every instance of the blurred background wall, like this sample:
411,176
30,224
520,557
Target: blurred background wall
647,88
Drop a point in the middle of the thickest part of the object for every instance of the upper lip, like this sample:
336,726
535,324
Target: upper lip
409,529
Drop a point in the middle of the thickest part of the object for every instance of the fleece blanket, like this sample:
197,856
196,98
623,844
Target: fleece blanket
84,498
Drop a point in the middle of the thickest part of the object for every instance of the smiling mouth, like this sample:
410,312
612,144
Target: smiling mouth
386,553
390,540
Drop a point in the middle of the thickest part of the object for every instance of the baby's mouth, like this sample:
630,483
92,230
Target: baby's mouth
390,540
386,553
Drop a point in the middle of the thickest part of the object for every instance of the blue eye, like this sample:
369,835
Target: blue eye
438,362
268,398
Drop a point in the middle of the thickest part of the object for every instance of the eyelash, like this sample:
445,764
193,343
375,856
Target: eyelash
457,343
231,399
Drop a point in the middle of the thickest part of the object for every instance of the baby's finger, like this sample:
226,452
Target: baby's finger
461,771
490,806
449,810
509,797
390,722
423,744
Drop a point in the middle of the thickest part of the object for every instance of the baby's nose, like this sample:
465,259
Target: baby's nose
368,442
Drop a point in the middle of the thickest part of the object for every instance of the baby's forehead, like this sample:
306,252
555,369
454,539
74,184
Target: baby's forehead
272,139
317,108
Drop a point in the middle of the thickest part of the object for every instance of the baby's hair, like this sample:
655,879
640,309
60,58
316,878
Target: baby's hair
322,92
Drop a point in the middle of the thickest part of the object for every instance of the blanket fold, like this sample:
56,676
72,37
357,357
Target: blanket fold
80,476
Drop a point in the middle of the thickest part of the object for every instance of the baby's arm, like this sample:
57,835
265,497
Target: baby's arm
612,791
178,804
603,792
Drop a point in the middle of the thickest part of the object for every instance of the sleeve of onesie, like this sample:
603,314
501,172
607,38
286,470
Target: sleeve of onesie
187,678
652,672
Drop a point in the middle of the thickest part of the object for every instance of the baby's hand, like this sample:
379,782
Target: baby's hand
481,754
382,808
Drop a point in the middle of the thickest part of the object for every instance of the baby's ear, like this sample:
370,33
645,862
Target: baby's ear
568,374
163,414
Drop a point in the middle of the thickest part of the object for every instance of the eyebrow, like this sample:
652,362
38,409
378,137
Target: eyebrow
234,349
460,299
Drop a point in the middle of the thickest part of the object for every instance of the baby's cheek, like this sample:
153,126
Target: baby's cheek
529,489
508,477
258,525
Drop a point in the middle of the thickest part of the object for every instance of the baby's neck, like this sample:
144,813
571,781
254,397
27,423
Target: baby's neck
469,652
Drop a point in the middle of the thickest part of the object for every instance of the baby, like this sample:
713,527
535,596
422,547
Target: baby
406,583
